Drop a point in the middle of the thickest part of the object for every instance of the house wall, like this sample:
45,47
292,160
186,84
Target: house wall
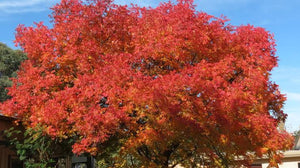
3,157
8,157
291,159
284,165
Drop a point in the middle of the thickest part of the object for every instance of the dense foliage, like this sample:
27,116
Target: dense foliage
36,149
158,86
10,61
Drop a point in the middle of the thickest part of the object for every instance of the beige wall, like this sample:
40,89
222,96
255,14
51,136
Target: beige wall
284,165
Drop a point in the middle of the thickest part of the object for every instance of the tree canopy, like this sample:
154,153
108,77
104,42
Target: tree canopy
10,61
160,86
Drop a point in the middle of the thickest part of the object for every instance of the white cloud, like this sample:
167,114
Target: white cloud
22,6
293,122
288,79
267,5
292,108
293,97
7,4
145,3
216,5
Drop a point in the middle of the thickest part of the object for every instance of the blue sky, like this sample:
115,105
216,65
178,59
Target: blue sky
281,17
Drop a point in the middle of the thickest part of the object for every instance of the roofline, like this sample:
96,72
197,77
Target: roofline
7,118
291,153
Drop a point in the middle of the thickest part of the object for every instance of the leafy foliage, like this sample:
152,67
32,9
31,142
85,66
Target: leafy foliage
10,61
36,149
33,145
172,85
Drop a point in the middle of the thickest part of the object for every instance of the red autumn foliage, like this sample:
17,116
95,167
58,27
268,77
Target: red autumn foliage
177,85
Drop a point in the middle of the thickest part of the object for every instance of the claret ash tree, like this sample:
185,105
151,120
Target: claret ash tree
151,87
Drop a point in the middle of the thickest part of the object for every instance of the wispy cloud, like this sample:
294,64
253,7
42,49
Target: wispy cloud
288,79
22,6
292,108
13,4
293,97
216,5
145,3
256,12
287,75
292,122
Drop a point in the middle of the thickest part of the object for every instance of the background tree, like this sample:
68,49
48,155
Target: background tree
158,86
10,61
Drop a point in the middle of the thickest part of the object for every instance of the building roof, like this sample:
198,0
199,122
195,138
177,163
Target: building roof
3,117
